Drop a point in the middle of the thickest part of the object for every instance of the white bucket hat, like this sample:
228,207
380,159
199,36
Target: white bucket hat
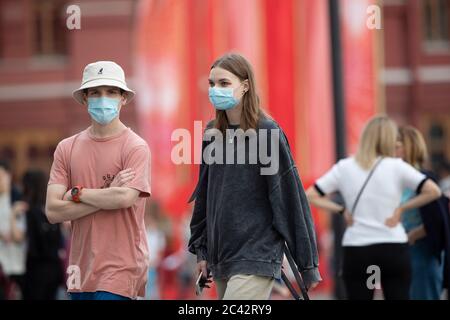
103,73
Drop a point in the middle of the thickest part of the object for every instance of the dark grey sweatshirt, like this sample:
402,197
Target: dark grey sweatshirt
242,219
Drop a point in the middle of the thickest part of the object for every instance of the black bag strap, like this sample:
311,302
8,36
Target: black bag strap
289,286
297,276
364,186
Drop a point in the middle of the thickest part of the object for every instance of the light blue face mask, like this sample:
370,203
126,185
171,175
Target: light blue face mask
103,110
222,98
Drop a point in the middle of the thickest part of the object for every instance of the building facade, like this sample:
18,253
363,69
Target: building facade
41,63
416,74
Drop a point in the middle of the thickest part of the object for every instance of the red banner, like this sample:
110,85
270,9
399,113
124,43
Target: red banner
359,68
286,41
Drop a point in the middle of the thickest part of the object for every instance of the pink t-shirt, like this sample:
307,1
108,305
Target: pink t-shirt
108,246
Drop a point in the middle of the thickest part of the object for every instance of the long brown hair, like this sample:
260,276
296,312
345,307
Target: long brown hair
251,109
414,145
34,184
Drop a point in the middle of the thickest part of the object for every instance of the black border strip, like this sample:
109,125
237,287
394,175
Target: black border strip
320,191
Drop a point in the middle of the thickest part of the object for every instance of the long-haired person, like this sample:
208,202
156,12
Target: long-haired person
244,215
371,184
44,270
426,259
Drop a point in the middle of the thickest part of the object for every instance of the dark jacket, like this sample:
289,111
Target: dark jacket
44,240
436,220
242,219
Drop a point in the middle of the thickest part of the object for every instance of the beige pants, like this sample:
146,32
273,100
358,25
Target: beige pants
244,287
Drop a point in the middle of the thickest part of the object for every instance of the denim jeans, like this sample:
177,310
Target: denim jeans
98,295
427,273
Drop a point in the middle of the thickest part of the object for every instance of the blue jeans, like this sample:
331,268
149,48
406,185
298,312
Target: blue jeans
98,295
427,273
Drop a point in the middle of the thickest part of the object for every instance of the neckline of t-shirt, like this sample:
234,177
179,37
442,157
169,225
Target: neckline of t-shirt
115,136
376,160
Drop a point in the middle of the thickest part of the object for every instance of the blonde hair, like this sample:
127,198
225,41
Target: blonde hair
415,149
378,139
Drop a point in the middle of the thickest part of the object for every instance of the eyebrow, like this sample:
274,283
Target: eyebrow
223,79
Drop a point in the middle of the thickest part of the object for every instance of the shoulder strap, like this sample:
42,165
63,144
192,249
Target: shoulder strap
364,185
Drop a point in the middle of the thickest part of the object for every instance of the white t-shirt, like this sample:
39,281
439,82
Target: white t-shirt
378,201
12,255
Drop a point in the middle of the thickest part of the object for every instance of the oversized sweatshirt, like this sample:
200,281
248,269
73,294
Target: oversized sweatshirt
242,218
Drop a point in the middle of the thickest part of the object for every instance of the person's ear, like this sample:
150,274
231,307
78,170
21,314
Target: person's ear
85,98
124,98
246,86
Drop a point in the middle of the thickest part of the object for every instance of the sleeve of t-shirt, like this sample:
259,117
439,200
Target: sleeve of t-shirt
329,182
410,177
139,160
59,173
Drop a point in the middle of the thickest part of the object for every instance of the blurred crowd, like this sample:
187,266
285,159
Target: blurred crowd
34,253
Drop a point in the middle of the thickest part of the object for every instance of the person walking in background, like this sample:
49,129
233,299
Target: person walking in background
444,177
98,181
44,272
372,183
243,218
156,240
426,257
12,235
426,266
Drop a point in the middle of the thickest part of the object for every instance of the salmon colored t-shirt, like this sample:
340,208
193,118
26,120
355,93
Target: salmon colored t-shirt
108,246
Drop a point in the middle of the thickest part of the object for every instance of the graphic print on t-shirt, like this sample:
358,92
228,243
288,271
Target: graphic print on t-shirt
107,180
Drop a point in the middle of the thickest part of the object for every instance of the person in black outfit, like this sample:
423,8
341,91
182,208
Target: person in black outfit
44,271
244,213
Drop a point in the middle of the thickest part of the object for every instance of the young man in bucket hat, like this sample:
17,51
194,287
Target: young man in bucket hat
99,180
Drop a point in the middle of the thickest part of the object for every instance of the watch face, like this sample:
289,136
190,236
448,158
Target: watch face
74,191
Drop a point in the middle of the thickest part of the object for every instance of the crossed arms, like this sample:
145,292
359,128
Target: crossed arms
60,207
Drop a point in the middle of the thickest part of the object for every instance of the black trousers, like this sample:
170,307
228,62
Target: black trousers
43,279
391,259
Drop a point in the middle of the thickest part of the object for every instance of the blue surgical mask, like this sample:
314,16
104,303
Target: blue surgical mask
222,98
103,110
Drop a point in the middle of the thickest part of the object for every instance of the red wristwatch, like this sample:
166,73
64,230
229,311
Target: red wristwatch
76,193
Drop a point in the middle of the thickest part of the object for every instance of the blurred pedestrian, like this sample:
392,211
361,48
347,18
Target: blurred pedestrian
242,218
444,177
12,235
372,183
99,180
44,272
426,280
156,240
